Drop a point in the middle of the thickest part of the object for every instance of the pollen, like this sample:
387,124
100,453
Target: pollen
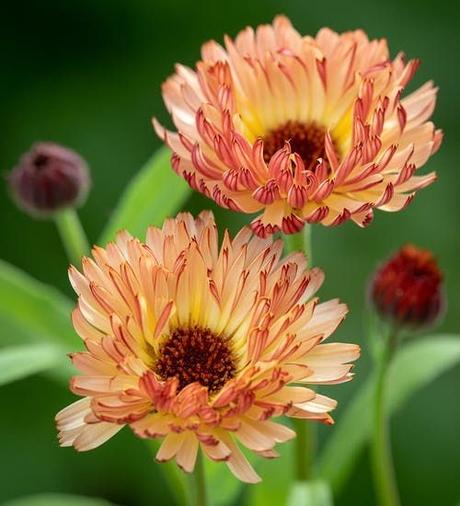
306,139
196,355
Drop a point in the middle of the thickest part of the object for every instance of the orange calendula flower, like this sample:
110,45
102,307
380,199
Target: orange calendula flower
306,130
200,346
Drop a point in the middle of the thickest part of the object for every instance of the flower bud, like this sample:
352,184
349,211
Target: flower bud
407,289
49,178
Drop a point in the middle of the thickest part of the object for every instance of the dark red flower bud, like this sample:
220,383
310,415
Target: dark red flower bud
408,288
48,178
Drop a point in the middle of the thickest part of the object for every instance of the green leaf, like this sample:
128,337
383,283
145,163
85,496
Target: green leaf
174,476
32,311
223,487
57,500
17,362
277,476
417,364
155,193
310,493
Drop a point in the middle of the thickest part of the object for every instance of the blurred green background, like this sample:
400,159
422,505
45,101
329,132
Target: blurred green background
87,74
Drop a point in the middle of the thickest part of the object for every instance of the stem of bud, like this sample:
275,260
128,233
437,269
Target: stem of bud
72,235
382,461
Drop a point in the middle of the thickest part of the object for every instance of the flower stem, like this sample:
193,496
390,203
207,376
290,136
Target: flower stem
304,448
384,476
305,440
72,235
300,242
199,496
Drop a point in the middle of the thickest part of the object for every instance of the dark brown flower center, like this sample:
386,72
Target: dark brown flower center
196,354
306,139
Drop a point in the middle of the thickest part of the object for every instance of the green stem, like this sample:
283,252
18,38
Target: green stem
72,235
199,493
306,435
384,476
301,242
304,449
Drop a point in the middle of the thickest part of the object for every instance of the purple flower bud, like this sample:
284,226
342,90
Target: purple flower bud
49,178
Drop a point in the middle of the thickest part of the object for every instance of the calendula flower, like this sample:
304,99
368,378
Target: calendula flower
407,289
306,130
200,346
